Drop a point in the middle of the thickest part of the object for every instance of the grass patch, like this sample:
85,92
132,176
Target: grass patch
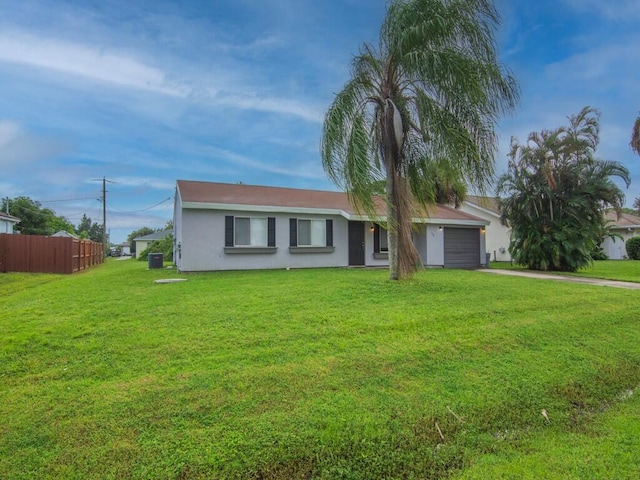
621,270
326,374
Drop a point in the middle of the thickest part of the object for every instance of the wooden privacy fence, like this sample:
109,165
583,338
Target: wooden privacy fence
40,254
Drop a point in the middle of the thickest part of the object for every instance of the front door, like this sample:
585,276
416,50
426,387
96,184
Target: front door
356,243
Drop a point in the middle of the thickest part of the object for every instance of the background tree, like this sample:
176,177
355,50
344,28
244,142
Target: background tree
431,92
34,218
141,232
88,229
635,136
555,193
164,246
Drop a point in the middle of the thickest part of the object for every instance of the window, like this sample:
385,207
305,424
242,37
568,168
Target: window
311,233
250,231
380,239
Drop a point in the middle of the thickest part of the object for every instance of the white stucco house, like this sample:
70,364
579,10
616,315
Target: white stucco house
220,226
7,222
626,226
497,235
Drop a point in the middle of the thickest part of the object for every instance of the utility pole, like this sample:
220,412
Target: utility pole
104,212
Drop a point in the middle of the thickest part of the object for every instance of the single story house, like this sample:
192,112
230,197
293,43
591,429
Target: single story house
143,242
7,222
626,226
220,226
498,236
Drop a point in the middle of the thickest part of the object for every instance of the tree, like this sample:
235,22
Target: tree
34,219
141,232
633,248
431,92
635,136
164,246
555,193
88,229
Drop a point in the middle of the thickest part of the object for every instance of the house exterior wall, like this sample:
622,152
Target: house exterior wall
201,234
141,246
615,248
497,236
177,230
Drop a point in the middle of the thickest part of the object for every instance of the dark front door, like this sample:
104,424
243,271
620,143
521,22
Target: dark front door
356,243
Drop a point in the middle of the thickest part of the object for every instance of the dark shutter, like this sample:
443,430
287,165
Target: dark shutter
376,239
329,232
271,232
293,232
228,231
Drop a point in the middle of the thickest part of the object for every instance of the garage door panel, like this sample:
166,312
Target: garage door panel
461,247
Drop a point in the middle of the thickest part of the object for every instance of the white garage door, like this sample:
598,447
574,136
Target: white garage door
461,247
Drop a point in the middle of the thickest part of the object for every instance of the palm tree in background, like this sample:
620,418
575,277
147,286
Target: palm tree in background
427,98
635,136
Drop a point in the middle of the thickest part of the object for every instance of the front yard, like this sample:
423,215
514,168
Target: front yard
317,374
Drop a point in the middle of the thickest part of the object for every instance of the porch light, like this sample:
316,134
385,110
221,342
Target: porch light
440,228
372,229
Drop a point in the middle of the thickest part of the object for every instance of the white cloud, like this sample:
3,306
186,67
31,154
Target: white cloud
628,10
236,159
284,106
85,61
19,147
155,183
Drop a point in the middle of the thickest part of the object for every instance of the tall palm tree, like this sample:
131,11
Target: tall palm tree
635,136
433,89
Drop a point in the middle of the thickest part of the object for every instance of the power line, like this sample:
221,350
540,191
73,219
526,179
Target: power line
68,200
144,209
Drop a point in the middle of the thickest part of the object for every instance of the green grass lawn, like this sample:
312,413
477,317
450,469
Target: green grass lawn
315,374
623,270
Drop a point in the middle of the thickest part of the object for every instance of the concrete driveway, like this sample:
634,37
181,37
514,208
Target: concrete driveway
563,278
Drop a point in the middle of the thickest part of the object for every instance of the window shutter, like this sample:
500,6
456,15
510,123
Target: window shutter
376,238
293,232
271,232
228,231
329,232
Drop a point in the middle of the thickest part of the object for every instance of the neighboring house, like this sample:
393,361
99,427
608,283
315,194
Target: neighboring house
498,236
234,227
7,222
63,233
125,249
143,242
626,226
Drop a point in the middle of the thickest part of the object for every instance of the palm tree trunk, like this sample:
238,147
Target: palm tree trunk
392,224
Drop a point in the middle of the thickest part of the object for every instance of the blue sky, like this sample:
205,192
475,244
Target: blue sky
148,92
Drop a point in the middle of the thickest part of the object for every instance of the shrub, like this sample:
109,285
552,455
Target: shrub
164,246
633,248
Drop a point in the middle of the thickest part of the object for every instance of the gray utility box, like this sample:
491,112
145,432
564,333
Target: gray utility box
155,260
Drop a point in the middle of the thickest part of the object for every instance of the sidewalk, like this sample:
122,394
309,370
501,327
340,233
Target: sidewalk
563,278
